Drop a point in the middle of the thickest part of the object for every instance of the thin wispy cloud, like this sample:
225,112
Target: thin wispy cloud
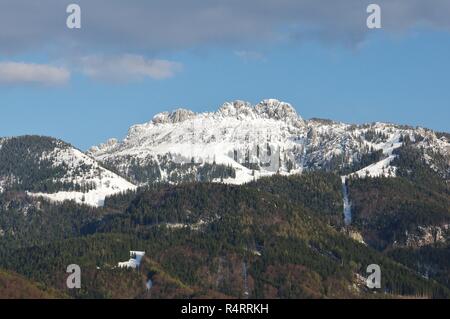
18,73
126,68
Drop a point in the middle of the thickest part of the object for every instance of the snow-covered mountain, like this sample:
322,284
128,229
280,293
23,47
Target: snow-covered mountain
55,170
236,144
242,142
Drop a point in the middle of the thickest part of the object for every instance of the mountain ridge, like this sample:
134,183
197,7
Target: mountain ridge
236,144
260,140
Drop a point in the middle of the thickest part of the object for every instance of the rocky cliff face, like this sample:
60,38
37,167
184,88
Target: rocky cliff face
428,235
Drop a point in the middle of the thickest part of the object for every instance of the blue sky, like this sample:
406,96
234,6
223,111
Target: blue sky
401,77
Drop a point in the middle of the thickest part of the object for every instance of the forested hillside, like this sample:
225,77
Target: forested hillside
275,238
208,231
24,166
13,286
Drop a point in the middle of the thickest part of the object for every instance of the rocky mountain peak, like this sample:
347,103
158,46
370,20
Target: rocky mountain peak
276,109
236,108
179,115
269,109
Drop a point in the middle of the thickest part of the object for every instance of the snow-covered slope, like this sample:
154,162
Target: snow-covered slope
259,140
55,170
99,181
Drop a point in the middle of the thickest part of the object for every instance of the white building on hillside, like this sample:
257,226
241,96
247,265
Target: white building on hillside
135,260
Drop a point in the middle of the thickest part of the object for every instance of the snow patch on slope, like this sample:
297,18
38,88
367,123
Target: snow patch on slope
382,168
347,204
94,198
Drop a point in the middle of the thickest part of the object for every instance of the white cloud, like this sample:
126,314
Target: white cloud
30,73
127,67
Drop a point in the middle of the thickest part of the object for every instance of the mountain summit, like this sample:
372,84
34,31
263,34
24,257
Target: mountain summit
240,142
267,109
